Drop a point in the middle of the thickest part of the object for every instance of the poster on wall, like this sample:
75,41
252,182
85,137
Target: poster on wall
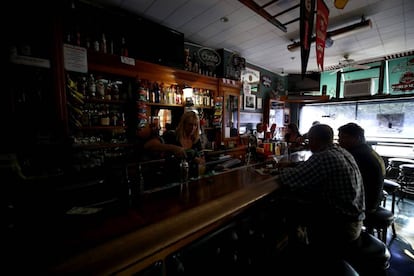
391,122
401,75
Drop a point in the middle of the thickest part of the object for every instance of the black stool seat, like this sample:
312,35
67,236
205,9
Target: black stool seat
379,221
395,162
407,170
393,168
369,256
391,186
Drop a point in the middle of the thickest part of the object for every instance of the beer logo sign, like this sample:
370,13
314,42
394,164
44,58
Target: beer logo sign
209,57
406,82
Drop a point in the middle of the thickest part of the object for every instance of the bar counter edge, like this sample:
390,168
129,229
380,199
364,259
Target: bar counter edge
137,250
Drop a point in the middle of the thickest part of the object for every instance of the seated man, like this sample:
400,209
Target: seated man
330,184
370,163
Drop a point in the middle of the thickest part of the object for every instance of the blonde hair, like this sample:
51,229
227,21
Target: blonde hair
192,118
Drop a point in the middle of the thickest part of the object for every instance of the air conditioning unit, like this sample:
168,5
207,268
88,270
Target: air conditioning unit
357,88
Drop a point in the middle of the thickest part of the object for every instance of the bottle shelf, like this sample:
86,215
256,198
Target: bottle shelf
103,101
101,146
102,128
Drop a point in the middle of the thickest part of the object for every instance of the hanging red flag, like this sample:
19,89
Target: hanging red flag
307,8
322,16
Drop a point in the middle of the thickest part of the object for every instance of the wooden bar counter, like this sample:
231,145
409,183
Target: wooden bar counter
128,240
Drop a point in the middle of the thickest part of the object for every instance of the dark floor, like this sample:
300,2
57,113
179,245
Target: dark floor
402,246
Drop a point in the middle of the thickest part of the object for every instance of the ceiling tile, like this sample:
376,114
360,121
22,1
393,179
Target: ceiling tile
263,44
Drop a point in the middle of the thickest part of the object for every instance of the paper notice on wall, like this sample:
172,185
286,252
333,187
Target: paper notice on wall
226,132
75,58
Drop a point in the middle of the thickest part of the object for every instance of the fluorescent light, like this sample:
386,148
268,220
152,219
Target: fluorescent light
338,33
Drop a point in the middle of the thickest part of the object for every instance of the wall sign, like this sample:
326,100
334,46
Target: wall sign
266,81
250,75
209,57
401,76
406,82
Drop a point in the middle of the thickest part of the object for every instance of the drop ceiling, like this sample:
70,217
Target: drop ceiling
265,45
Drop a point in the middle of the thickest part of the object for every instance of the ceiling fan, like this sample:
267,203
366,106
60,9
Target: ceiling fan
346,62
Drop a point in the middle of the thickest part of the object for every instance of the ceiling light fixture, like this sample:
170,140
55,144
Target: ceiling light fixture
224,19
188,95
339,33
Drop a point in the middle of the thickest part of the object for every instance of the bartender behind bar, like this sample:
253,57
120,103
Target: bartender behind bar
182,143
187,136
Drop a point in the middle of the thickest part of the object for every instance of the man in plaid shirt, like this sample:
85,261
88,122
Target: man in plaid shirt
328,188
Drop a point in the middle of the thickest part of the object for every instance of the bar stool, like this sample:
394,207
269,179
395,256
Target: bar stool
406,179
369,256
391,188
393,167
379,221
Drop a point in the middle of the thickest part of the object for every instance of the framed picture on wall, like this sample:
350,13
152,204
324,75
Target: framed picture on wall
249,102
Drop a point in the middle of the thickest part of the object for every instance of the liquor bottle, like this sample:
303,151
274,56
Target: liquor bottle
77,37
96,45
111,49
124,47
100,88
195,63
91,86
156,88
163,94
103,47
104,118
174,94
184,170
211,98
187,59
169,95
82,86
